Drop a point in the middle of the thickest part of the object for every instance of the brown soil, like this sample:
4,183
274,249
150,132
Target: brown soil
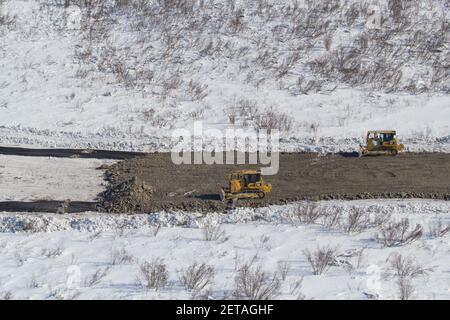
152,182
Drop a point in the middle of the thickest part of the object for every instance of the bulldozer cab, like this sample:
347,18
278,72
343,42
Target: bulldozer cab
250,178
247,178
380,138
387,137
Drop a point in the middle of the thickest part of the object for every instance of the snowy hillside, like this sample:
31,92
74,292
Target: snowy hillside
122,74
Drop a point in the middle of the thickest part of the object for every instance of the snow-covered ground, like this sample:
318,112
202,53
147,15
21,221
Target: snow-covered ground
58,256
127,80
38,178
49,96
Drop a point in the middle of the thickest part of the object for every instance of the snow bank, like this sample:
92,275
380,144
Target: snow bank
94,222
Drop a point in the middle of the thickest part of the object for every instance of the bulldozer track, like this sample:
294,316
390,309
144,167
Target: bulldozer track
302,176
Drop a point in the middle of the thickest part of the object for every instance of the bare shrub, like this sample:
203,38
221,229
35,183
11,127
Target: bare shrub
399,233
332,220
308,213
196,114
396,9
254,284
283,268
242,110
263,244
321,259
213,232
6,20
405,269
232,115
19,259
270,119
96,277
55,294
33,283
95,235
197,276
237,260
289,33
295,289
52,252
120,229
247,108
170,84
235,21
304,86
163,120
148,114
423,133
356,221
351,15
155,229
7,295
121,256
350,260
160,120
196,91
327,41
381,218
285,67
73,295
405,288
314,128
437,229
154,274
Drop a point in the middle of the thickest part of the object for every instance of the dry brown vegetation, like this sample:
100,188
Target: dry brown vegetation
399,233
253,283
153,274
405,52
321,259
197,276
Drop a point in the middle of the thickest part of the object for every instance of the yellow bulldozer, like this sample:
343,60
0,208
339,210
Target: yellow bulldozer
381,142
245,184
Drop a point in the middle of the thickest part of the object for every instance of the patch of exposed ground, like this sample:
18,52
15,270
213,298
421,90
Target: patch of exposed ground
152,182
